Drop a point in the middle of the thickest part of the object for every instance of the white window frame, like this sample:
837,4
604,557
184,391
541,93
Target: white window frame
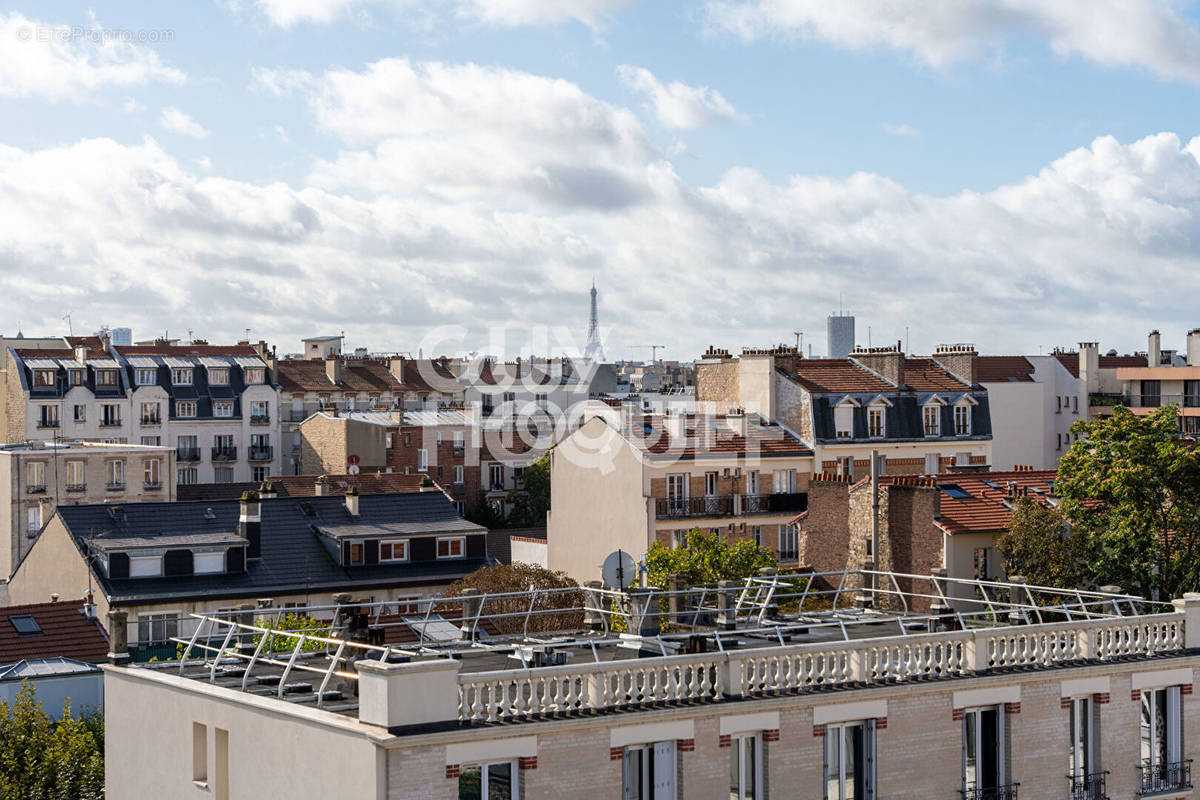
154,417
485,777
222,408
208,563
181,376
218,376
783,481
362,550
931,413
35,475
422,460
977,737
169,620
402,544
187,476
152,472
835,743
495,484
962,420
459,473
450,542
33,522
745,781
1150,727
76,470
789,541
114,473
843,420
254,375
877,422
182,406
1082,751
145,376
80,412
149,565
648,771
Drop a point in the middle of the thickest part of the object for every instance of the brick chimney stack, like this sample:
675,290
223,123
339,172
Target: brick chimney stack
333,368
250,523
959,360
886,362
1154,349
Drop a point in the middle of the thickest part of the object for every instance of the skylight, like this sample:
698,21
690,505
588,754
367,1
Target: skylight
955,491
26,625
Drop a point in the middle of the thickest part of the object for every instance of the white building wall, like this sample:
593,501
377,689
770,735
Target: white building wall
1019,423
1065,402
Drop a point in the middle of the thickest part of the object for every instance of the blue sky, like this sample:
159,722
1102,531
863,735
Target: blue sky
947,170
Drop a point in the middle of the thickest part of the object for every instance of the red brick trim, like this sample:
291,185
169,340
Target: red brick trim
818,730
771,735
1102,698
1012,708
1064,702
880,723
616,753
957,715
1185,688
1136,695
527,762
685,745
725,741
452,771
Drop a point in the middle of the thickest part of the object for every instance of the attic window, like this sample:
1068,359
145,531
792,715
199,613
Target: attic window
26,626
955,491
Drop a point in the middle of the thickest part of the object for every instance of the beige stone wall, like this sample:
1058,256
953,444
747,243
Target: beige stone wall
53,566
14,401
323,446
717,383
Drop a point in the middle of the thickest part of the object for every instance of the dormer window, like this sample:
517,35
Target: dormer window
218,376
44,378
931,416
254,375
876,424
145,376
185,409
962,419
222,408
106,377
75,376
391,550
451,546
843,418
181,376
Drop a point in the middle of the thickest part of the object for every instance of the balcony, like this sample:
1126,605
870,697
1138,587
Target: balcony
260,419
224,454
76,487
1165,776
149,422
148,486
1006,792
47,423
1088,787
110,423
1145,400
681,507
262,452
774,503
115,487
35,489
187,454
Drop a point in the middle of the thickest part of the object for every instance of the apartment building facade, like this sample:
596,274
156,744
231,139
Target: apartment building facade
1159,378
215,405
44,475
922,415
623,483
1034,401
979,714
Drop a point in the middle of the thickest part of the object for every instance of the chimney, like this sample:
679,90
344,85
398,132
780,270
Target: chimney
250,523
118,637
321,489
105,341
352,501
1193,347
886,362
737,422
333,368
1154,349
81,353
1089,365
89,606
959,360
268,490
415,693
676,426
396,367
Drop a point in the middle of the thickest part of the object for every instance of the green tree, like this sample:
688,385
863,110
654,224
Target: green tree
1038,546
530,504
41,759
1132,487
484,514
706,558
552,611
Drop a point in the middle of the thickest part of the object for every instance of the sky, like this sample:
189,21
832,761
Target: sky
452,175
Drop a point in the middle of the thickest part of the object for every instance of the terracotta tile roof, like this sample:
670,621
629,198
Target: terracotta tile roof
358,375
926,375
65,632
1003,369
1070,360
713,434
306,486
187,350
837,375
986,508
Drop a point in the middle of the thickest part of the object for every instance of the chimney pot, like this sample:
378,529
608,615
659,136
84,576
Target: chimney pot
352,501
250,523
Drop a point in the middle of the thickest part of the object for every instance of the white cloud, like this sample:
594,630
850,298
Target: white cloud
512,13
900,129
177,121
676,104
56,63
132,106
1140,33
287,13
595,14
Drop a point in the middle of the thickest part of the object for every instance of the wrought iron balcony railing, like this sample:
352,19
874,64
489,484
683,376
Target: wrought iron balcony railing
1006,791
1088,786
1165,776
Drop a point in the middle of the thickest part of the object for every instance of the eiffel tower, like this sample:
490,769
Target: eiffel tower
594,351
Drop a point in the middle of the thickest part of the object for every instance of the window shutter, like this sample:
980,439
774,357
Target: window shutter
118,565
371,552
664,771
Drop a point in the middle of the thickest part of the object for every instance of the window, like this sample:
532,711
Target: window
1163,769
789,548
199,753
843,420
115,471
110,415
962,420
932,417
846,466
150,414
648,772
459,473
678,539
510,397
185,409
259,474
542,400
1151,394
458,439
157,628
26,625
393,550
223,442
357,554
933,463
422,460
106,377
460,507
80,413
850,761
784,481
260,411
152,441
756,534
153,473
222,474
496,472
1087,782
33,520
44,377
186,476
745,768
218,376
48,416
75,480
983,752
222,408
145,376
75,376
35,476
494,781
451,547
181,376
710,484
254,374
876,428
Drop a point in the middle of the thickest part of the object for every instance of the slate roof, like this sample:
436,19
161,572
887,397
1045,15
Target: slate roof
988,506
712,433
306,486
65,632
1003,369
293,558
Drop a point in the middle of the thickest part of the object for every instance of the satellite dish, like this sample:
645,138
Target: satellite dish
619,570
352,469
